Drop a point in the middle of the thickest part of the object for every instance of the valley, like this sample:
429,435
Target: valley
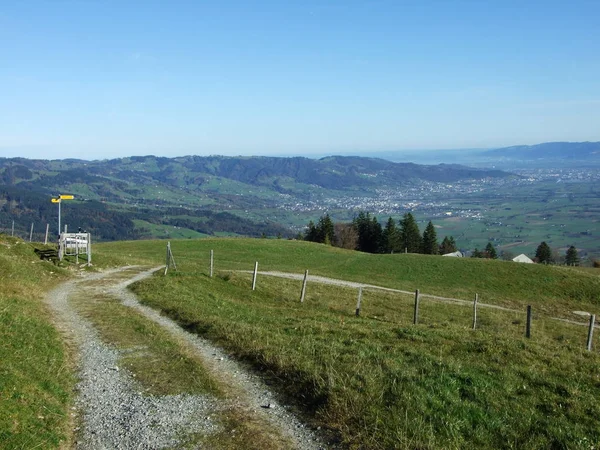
193,197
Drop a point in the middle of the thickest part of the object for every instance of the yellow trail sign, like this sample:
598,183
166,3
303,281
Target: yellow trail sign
56,200
66,197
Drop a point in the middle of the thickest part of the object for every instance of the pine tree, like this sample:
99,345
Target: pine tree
429,243
544,254
476,254
369,233
390,237
410,236
325,230
572,258
311,232
490,251
448,245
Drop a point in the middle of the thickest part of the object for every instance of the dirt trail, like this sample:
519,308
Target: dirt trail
113,412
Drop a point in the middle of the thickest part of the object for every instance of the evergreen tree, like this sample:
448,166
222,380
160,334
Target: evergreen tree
410,236
430,243
325,230
376,236
448,245
490,251
476,254
572,258
544,254
369,233
390,237
311,233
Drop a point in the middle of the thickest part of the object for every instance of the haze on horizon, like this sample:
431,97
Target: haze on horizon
98,80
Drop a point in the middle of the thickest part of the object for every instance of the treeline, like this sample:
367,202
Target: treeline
366,234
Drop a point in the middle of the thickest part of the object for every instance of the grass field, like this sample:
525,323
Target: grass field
36,381
377,380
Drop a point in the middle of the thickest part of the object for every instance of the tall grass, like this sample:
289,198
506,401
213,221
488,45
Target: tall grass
378,380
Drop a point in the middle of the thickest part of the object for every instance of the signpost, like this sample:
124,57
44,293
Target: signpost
59,200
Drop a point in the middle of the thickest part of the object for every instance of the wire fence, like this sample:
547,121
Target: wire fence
414,308
33,232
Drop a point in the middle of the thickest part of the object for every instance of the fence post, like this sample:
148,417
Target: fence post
528,326
31,232
416,314
211,263
89,249
303,286
254,276
168,257
46,237
358,302
591,332
475,311
12,230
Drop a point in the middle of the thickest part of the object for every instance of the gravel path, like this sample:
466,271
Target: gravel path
113,412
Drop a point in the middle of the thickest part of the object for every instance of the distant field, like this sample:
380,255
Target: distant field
377,380
560,214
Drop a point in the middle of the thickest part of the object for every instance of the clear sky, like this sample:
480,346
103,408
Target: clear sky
100,79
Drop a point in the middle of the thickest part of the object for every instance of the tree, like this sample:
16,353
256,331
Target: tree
311,233
543,253
507,255
490,251
429,245
390,237
345,236
369,232
410,236
448,245
476,254
325,230
572,258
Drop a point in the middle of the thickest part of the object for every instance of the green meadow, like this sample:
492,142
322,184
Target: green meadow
36,380
371,381
378,380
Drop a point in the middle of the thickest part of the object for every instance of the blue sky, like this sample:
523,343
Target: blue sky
102,79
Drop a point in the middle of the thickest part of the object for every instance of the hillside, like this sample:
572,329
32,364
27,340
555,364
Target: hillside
334,172
36,382
192,196
378,380
372,381
553,151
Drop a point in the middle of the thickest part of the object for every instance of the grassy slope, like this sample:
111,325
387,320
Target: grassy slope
380,381
555,290
35,380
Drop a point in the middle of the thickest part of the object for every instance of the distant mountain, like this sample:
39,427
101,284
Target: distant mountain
141,196
580,151
333,172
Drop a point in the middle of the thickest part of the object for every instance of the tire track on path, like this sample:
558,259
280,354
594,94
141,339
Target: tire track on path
113,411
